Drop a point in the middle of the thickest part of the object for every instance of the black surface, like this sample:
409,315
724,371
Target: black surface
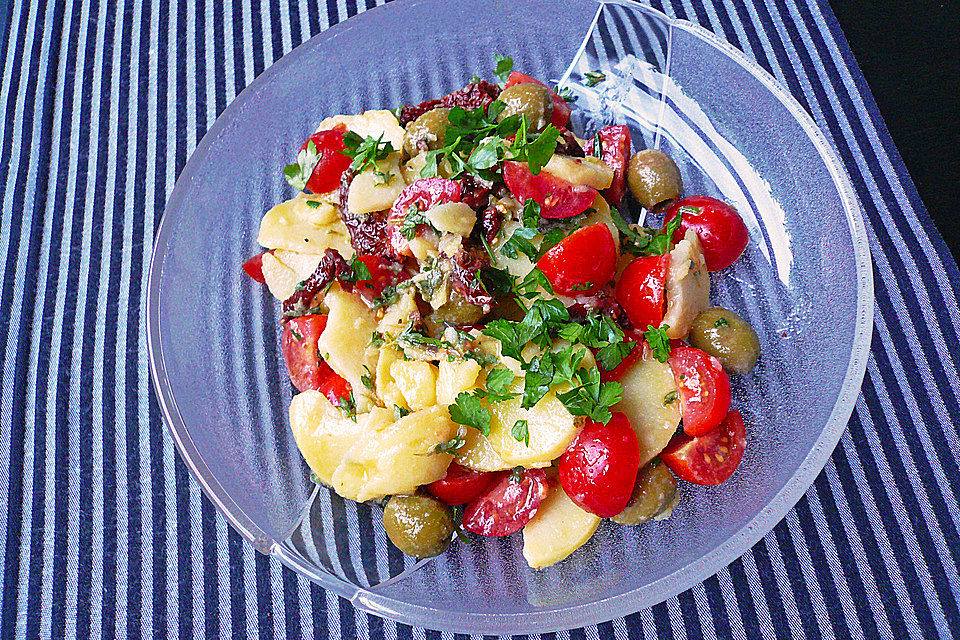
910,55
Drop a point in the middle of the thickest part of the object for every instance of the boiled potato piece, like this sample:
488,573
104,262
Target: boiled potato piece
455,377
589,171
372,123
393,458
281,280
417,381
551,426
370,192
558,529
688,286
296,226
323,433
452,217
646,386
478,454
386,386
345,342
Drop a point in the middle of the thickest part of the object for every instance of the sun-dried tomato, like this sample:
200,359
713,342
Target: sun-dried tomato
477,94
332,266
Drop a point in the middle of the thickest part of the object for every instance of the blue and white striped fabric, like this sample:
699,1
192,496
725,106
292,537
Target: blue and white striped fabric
106,534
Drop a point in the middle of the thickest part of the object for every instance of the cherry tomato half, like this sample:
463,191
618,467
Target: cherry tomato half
507,505
711,458
461,485
600,467
335,388
583,262
382,274
641,290
557,198
719,226
329,169
704,389
615,153
299,345
254,267
561,110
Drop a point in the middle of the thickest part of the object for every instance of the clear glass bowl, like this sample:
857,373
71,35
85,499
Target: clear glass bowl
805,283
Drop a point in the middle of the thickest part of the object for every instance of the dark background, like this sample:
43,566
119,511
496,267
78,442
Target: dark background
910,55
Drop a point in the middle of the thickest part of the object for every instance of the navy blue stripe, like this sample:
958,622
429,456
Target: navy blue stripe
771,591
745,602
661,620
41,450
718,608
238,613
211,581
264,595
688,611
15,493
791,564
184,559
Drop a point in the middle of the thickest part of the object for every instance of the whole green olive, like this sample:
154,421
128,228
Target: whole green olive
428,132
456,312
653,177
653,494
530,99
421,526
727,337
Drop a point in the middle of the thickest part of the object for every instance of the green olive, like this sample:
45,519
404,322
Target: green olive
420,526
429,130
727,337
530,99
653,177
456,312
653,494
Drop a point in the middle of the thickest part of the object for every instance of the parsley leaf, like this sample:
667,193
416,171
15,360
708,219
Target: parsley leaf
566,361
530,283
468,411
591,398
366,152
658,341
498,384
721,322
536,382
410,338
504,67
613,354
359,271
521,432
670,397
594,78
565,93
535,153
299,172
451,446
399,412
645,242
519,243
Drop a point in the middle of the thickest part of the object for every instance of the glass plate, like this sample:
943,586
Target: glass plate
734,132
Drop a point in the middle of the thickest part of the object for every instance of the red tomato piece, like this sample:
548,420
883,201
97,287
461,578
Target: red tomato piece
557,198
424,194
599,469
299,345
329,169
583,262
641,290
704,389
710,458
254,267
615,153
382,274
461,485
718,225
561,110
507,505
335,388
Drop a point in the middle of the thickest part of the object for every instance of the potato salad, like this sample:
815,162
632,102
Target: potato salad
481,340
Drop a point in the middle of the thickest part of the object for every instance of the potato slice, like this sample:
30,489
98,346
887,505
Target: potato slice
369,192
393,458
295,226
452,217
345,342
558,529
417,381
385,385
478,454
323,433
372,123
688,286
552,428
455,377
589,171
281,280
645,388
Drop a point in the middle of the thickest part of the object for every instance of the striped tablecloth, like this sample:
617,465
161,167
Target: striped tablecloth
106,534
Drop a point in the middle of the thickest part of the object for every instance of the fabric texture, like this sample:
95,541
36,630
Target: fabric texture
107,535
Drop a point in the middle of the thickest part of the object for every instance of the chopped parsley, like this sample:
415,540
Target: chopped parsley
376,339
366,152
299,172
565,93
348,407
451,446
658,341
498,384
594,78
468,411
366,379
670,398
643,241
399,412
314,204
591,398
521,432
721,322
504,67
